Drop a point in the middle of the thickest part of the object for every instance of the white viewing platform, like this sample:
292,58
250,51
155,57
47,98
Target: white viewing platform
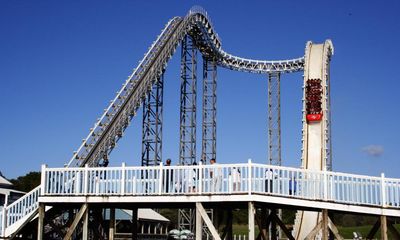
222,183
229,183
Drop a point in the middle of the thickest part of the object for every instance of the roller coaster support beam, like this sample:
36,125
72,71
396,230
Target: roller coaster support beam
187,150
274,118
209,128
152,124
187,146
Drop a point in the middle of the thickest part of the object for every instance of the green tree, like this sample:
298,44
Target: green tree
27,182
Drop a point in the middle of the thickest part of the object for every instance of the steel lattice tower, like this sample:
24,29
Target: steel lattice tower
274,119
187,148
152,124
209,127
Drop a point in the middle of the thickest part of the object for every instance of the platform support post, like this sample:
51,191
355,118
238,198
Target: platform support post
134,223
325,230
41,221
85,232
251,213
384,228
199,225
112,224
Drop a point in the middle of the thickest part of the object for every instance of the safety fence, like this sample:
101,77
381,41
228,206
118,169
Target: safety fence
248,178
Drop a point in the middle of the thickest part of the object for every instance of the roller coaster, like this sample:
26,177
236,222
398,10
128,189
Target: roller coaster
144,87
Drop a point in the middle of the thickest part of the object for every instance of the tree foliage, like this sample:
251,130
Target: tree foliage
27,182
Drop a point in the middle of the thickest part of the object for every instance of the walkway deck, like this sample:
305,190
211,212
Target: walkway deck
187,185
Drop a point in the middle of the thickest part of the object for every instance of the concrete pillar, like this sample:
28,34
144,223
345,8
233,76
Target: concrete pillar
384,228
112,224
251,213
325,230
41,221
85,232
199,225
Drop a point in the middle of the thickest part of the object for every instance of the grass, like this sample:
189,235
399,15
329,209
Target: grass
345,232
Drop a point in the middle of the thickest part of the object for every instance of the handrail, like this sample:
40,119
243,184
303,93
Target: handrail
243,178
21,207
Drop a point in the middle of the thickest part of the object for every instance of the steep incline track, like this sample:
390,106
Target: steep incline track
111,125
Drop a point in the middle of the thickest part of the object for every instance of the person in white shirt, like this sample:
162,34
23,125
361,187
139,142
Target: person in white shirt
216,176
235,174
269,177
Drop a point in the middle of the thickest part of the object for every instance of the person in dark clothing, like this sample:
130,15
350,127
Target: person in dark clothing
169,173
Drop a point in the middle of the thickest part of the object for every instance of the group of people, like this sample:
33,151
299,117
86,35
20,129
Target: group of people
188,179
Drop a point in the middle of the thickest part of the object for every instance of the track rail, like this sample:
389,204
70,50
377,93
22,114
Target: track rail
110,126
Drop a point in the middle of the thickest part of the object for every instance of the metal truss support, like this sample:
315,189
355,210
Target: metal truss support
274,118
187,146
152,125
328,124
274,125
209,127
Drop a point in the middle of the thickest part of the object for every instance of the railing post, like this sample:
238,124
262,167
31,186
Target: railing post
325,185
160,182
123,179
200,190
249,176
383,190
3,221
86,180
43,180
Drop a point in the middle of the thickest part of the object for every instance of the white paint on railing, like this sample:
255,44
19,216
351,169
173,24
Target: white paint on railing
223,179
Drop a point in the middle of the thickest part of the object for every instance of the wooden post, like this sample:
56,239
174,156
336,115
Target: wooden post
199,225
41,221
85,231
77,219
251,213
134,223
384,228
273,226
207,221
325,229
264,227
112,224
230,224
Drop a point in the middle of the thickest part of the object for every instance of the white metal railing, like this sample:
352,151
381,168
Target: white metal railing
19,209
247,178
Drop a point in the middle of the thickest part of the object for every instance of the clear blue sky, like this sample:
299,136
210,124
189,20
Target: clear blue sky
61,62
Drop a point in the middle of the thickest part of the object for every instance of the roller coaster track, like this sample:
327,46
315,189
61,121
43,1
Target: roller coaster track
110,126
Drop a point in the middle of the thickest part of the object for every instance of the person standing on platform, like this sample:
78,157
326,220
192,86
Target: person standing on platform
169,174
216,176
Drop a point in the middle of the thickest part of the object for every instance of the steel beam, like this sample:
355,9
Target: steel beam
152,124
187,146
274,119
187,149
209,126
